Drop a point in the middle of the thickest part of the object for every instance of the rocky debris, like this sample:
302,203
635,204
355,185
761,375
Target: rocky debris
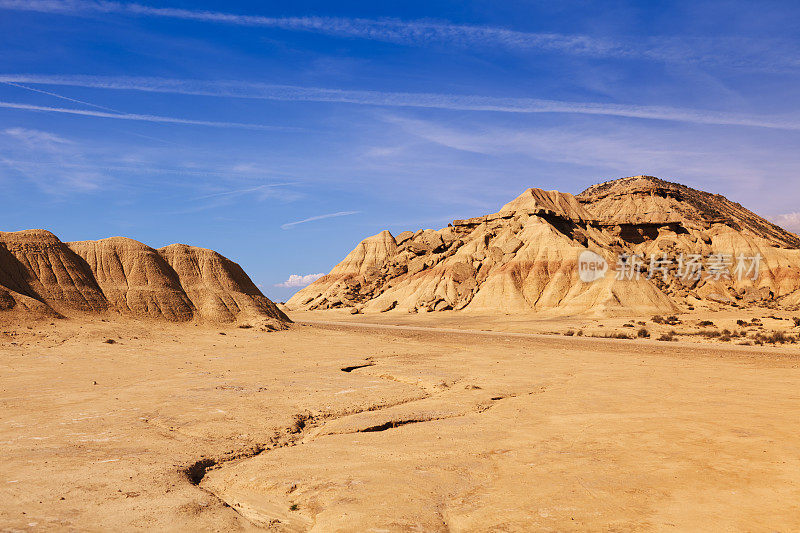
524,257
42,276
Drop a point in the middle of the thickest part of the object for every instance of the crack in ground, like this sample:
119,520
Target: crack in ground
293,435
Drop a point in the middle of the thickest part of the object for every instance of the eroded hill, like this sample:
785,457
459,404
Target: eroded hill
42,276
525,257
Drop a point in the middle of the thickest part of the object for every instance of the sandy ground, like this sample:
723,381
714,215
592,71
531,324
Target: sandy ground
423,430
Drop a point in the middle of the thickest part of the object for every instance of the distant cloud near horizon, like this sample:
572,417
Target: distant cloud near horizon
298,281
789,221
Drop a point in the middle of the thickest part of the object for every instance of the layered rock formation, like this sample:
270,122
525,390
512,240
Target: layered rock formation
41,275
525,257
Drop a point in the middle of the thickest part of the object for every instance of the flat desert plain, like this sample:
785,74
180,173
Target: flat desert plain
426,425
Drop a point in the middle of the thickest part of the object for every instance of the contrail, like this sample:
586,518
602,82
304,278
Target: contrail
144,118
61,97
319,217
453,102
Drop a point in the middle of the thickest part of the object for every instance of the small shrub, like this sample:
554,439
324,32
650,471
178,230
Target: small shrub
110,341
569,333
669,337
741,323
580,333
245,326
294,507
628,325
643,333
776,337
614,335
706,323
796,321
658,319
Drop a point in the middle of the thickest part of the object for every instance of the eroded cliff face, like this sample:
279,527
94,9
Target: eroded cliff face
525,257
41,275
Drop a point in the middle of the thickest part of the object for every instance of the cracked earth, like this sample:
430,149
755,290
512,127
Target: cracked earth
350,428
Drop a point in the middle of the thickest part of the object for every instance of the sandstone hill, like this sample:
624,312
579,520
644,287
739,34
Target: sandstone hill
524,257
42,276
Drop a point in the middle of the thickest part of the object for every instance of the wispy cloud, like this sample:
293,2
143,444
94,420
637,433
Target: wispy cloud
319,217
739,53
143,118
32,137
298,280
455,102
735,164
790,221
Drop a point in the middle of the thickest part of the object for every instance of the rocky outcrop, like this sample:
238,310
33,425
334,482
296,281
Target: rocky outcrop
524,258
43,276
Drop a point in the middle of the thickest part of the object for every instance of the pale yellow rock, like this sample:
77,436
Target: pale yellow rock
523,258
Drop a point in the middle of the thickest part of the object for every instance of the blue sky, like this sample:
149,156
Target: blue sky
281,134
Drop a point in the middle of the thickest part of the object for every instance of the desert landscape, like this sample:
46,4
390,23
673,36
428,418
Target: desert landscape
393,267
464,379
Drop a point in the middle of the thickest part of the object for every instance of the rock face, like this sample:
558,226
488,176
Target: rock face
41,275
524,258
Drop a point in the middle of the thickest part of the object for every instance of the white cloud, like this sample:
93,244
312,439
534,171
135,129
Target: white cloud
790,221
319,217
297,281
454,102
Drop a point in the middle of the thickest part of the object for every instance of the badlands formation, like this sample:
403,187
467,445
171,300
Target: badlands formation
524,257
529,407
40,276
